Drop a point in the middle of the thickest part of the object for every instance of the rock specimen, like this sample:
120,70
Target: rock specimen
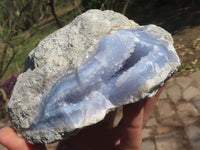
100,61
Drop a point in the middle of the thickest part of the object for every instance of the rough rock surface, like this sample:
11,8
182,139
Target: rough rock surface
61,51
58,54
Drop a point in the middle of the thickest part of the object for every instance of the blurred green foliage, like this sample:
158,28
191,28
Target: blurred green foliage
115,5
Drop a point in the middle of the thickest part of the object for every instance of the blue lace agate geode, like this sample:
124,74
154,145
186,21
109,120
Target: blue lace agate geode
127,66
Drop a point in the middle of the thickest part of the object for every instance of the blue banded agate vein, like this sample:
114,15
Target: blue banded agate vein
127,66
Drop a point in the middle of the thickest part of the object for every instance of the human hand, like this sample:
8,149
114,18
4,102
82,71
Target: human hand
126,136
12,141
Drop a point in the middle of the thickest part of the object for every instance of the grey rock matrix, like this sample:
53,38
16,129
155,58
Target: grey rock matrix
59,53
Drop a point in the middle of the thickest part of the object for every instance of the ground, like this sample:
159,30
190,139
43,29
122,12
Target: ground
187,44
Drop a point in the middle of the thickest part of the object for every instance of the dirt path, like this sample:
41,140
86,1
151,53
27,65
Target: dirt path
187,44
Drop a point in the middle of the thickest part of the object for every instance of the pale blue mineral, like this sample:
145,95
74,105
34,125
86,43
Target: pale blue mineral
126,66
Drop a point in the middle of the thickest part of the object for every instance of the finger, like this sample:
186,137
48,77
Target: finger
10,140
149,105
148,108
131,138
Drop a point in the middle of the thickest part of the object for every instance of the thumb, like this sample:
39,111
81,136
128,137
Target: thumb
12,141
